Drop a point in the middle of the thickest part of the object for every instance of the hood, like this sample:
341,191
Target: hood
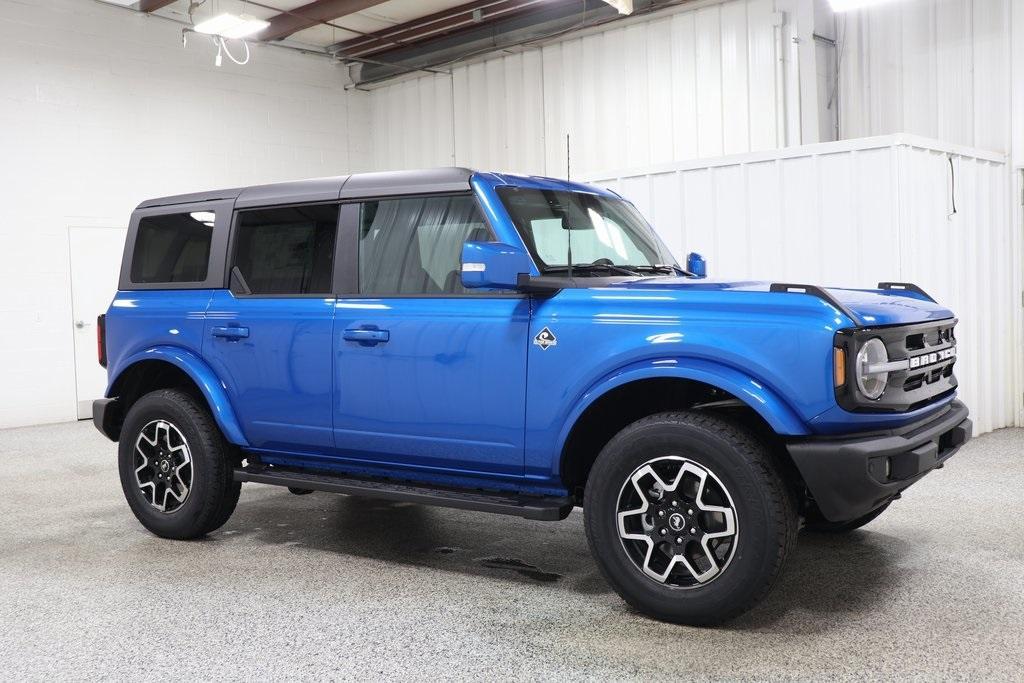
872,307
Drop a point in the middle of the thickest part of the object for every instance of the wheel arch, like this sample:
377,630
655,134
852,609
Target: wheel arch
164,367
671,384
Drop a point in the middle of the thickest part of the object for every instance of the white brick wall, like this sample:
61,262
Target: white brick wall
100,109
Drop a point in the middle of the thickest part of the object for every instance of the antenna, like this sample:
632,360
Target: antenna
568,227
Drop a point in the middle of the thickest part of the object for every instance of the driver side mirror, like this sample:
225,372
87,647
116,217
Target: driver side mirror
696,264
493,265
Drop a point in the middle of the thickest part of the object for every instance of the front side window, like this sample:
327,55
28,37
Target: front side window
288,250
414,245
173,248
599,230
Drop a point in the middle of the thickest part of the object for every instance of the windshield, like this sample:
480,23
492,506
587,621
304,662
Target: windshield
603,231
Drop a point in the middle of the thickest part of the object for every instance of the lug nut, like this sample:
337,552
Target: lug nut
663,531
675,503
692,530
679,539
689,511
661,513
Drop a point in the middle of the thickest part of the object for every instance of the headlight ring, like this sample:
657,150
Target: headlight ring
871,384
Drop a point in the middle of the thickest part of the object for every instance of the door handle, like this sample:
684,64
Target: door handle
230,333
366,336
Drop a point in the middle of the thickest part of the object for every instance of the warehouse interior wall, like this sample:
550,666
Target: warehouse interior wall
938,68
101,108
701,81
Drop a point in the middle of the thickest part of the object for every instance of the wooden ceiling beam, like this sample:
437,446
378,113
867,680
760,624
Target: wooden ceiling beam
292,21
434,25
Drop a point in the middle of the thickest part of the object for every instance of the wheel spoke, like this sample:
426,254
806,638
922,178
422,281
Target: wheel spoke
655,495
161,449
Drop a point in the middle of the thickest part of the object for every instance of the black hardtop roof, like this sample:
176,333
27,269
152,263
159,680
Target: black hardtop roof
449,179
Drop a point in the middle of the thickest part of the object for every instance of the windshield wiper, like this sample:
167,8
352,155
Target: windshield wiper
585,268
660,268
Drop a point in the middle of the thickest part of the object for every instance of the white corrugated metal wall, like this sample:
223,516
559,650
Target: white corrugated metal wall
697,83
854,213
939,68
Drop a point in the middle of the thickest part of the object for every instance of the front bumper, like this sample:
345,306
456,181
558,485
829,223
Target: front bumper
849,476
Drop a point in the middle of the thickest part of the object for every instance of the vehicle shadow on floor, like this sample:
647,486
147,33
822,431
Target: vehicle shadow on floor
829,579
826,576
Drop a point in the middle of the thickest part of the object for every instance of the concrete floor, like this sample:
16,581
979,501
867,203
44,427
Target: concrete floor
325,586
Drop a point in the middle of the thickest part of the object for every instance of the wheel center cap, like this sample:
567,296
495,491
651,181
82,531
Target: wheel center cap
164,465
676,521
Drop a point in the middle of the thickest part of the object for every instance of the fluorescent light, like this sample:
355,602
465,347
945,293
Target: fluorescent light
847,5
230,25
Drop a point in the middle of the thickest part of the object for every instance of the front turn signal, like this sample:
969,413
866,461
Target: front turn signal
839,366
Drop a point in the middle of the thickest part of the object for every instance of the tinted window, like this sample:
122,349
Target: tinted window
414,245
287,250
173,248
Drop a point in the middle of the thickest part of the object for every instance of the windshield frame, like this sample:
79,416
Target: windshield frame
633,224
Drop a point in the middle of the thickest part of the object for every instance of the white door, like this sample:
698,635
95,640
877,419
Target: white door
95,264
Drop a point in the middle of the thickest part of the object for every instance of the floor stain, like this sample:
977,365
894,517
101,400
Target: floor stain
527,570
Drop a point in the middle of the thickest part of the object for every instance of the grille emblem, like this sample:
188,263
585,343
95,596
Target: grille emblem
926,359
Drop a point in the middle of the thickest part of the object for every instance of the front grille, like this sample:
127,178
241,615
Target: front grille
931,349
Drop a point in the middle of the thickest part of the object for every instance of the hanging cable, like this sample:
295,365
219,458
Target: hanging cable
952,186
222,45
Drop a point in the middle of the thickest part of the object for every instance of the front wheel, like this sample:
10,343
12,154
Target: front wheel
175,468
688,517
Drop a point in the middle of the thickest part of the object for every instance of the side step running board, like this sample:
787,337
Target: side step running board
531,507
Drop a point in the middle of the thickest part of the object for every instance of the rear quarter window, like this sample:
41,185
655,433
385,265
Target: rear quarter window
173,248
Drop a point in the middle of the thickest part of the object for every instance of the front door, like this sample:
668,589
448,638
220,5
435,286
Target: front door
427,373
269,337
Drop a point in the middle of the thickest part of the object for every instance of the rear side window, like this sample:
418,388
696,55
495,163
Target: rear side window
173,248
287,250
414,245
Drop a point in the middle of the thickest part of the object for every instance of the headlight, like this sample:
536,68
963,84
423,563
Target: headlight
871,353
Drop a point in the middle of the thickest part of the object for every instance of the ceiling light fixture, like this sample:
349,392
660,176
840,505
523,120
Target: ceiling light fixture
847,5
229,25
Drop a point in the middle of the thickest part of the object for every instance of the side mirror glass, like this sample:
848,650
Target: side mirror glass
696,264
493,265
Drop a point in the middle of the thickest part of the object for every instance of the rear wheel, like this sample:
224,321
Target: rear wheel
175,468
688,517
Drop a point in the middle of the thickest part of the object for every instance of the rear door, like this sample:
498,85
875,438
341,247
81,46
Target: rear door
427,373
269,340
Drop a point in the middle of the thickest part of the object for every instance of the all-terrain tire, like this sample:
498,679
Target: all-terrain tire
212,492
764,506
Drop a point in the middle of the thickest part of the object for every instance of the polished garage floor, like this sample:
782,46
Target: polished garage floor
328,586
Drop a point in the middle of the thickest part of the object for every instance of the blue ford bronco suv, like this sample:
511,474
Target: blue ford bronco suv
514,345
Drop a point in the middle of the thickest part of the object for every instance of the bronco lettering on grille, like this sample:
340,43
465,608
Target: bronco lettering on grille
926,359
